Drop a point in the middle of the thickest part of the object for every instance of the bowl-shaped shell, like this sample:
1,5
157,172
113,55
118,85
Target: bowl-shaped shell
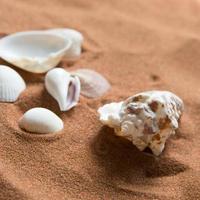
11,84
34,51
40,120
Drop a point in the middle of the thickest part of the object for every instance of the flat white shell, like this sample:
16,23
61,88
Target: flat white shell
93,84
34,51
64,87
146,119
40,120
11,84
76,38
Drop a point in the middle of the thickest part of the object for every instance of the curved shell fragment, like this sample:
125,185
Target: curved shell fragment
93,84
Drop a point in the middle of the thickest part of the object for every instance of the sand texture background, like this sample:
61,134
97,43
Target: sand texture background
137,45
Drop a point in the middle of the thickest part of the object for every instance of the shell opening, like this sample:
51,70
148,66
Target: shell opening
71,94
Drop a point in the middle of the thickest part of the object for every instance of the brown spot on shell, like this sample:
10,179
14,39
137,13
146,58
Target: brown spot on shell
154,106
163,122
156,137
132,110
137,98
148,129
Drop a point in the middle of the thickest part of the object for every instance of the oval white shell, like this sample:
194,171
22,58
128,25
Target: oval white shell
93,84
11,84
34,51
146,119
64,87
76,37
40,120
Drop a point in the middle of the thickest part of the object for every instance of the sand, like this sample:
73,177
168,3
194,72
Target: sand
137,46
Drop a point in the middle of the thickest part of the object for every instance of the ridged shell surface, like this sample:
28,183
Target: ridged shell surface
93,84
11,84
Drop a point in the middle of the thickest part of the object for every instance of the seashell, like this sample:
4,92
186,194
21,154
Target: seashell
11,84
40,120
64,87
76,37
93,84
34,51
147,119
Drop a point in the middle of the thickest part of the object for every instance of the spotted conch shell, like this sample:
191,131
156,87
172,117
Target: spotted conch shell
64,87
146,119
93,84
40,120
11,84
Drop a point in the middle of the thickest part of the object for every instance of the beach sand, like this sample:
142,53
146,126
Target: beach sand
138,46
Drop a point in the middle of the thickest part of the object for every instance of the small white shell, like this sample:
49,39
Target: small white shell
40,120
34,51
93,84
146,119
63,87
11,84
76,37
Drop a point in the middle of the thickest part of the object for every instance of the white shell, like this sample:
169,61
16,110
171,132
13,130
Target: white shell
109,114
34,51
64,87
11,84
40,120
76,37
93,84
147,119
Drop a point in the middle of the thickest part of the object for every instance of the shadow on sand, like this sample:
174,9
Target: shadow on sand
120,158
